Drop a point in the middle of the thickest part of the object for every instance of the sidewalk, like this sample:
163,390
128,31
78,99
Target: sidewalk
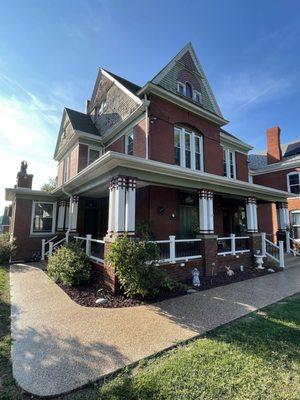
59,345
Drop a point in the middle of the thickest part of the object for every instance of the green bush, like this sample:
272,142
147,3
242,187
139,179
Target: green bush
136,269
69,265
7,247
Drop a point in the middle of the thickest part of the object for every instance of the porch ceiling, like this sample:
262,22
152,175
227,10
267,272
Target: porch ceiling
99,173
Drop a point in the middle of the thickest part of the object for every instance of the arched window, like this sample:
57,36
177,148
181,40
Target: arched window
188,90
188,148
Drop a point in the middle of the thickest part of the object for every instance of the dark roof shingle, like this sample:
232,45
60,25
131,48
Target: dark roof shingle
132,87
82,122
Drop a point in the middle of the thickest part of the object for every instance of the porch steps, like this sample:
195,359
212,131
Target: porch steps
291,261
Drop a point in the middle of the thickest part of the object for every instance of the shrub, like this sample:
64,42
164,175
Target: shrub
136,269
69,265
7,247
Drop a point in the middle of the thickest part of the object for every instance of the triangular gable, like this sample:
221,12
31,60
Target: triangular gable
187,60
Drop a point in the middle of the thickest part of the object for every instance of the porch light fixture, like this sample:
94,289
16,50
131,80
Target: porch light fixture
173,216
182,264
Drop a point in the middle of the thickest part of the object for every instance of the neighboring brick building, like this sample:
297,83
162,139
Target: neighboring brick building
278,167
155,155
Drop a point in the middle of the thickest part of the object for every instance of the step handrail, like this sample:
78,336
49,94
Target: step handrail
279,247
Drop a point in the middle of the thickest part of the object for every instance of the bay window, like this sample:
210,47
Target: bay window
229,163
188,149
294,182
43,217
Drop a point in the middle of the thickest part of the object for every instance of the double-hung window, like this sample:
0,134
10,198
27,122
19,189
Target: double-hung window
295,221
294,182
229,163
67,162
43,217
94,154
188,149
129,143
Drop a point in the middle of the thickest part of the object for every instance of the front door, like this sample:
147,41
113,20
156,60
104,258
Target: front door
188,221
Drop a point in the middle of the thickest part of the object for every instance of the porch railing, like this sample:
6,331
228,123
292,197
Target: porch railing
52,245
292,245
233,245
273,251
173,250
94,248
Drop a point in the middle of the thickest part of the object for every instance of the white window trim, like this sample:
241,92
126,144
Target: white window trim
131,133
196,92
227,162
94,148
53,221
192,134
183,87
288,181
295,212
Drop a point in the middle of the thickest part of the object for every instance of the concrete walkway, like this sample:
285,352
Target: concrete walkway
59,345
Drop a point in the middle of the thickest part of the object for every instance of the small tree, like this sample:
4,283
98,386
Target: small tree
69,265
136,269
7,248
49,186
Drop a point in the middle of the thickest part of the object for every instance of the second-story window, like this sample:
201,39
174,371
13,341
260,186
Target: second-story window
67,162
229,163
129,144
188,149
94,154
294,182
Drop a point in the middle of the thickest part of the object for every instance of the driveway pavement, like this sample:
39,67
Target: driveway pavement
59,345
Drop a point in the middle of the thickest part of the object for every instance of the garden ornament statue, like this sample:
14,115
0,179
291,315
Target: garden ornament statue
24,166
196,278
229,271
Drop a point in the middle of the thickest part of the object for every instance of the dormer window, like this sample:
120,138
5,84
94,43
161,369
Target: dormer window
188,90
197,96
181,88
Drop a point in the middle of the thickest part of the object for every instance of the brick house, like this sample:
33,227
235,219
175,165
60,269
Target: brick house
154,157
278,167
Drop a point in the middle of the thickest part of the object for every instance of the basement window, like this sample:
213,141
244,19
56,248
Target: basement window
43,217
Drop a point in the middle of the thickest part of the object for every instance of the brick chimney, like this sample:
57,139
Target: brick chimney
24,180
274,152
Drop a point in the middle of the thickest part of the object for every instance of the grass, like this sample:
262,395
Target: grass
8,388
254,358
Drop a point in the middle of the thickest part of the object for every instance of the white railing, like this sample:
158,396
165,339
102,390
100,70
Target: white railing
273,251
94,248
52,245
173,250
292,245
232,245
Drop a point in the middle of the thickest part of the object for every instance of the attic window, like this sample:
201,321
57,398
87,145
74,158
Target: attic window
185,89
197,96
188,90
181,88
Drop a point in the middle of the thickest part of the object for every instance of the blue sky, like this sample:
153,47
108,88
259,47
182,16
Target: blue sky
50,52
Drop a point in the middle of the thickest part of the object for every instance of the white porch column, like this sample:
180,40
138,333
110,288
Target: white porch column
251,212
282,216
73,213
111,208
61,215
67,215
130,206
120,195
206,212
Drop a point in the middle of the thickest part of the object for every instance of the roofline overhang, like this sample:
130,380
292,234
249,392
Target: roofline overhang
245,147
173,98
12,193
112,163
76,136
281,166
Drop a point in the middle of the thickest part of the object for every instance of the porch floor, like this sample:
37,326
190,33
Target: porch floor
59,345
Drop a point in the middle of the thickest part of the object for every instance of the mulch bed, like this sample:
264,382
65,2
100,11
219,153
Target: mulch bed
86,295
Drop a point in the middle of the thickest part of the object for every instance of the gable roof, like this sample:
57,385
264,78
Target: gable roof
132,87
235,139
169,73
81,122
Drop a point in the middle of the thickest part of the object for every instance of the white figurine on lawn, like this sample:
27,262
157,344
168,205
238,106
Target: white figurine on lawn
196,277
229,271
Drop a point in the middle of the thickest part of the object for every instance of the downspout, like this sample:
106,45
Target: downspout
147,127
70,197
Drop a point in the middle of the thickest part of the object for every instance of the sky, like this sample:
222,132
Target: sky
50,52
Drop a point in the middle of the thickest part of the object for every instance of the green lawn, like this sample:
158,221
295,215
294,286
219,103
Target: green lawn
256,357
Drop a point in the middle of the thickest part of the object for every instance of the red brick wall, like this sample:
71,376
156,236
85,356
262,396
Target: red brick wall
139,139
267,218
161,134
276,179
294,204
60,173
118,145
242,171
74,161
24,181
25,244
